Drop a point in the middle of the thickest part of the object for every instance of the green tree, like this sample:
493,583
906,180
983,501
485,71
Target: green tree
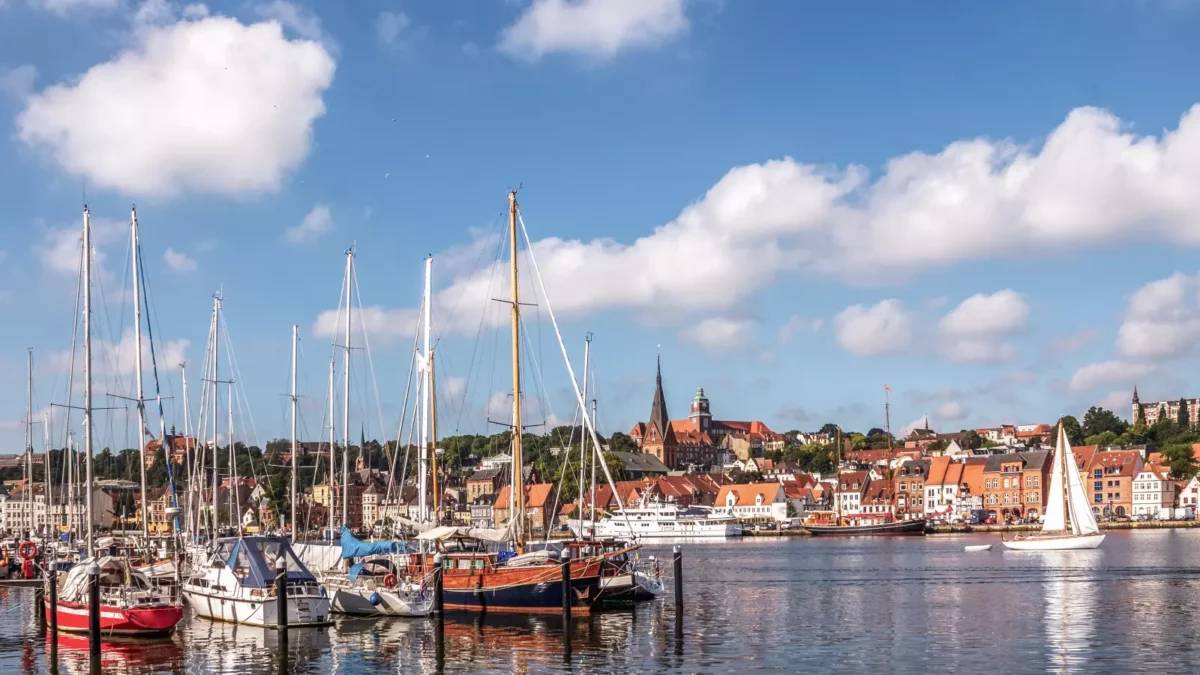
1185,419
620,442
1098,420
936,446
1182,460
829,428
1105,439
970,439
1072,428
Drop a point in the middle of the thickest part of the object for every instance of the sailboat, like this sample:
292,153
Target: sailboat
1070,523
837,525
129,604
236,581
376,585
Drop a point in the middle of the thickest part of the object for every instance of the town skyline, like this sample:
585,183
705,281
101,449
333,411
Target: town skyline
842,226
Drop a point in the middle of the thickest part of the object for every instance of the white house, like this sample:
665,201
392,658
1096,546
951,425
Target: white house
752,501
1189,494
1153,491
850,488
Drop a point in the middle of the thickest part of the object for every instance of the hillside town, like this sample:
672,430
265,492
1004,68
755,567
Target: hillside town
1140,471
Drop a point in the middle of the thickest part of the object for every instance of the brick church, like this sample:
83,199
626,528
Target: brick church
699,441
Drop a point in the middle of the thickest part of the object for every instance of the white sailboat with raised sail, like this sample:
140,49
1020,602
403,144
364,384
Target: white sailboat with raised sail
1070,523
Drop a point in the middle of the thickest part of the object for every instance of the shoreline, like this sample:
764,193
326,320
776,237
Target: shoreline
984,529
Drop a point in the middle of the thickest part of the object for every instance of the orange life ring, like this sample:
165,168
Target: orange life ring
27,550
390,581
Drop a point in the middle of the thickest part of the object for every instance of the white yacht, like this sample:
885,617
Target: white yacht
658,521
237,584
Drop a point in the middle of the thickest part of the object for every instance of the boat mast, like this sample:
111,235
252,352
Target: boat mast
189,524
47,469
137,341
587,351
216,346
346,395
435,490
332,442
295,444
518,478
87,371
234,497
593,499
1066,489
837,479
29,444
891,475
422,457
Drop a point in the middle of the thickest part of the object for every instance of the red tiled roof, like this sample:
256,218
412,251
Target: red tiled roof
848,480
1129,462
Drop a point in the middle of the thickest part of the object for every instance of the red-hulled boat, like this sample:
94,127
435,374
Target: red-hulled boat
129,605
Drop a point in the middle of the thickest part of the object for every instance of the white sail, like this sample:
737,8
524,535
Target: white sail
1055,513
1082,519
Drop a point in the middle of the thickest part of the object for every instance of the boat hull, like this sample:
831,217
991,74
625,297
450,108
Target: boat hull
302,611
358,602
131,622
1063,543
902,528
537,597
692,529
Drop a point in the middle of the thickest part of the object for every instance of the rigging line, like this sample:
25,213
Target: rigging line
463,291
571,371
412,363
565,453
408,446
237,378
543,394
74,345
167,454
370,359
475,348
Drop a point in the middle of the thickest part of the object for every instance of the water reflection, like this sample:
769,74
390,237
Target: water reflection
915,606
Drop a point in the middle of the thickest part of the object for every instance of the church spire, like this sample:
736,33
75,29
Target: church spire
658,409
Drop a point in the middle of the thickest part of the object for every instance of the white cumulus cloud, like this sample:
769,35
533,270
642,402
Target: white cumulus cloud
390,25
1091,182
63,7
951,411
717,333
885,328
1108,372
207,105
1162,318
316,224
595,28
976,330
118,359
179,262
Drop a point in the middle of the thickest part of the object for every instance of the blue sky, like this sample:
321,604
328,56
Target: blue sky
988,207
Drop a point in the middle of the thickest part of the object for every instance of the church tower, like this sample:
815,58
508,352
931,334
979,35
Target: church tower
1137,407
700,416
660,440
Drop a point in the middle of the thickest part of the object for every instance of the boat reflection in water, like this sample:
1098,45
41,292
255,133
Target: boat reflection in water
128,655
241,648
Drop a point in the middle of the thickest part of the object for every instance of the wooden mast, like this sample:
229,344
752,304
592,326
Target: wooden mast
518,478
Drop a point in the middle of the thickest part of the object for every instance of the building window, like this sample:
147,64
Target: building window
1098,473
1098,485
1099,498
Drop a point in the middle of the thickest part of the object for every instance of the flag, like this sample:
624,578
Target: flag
886,388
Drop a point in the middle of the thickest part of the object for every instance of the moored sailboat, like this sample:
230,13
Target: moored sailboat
130,605
1069,522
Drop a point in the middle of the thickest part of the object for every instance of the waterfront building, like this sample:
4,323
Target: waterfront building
1014,484
1153,491
484,482
700,441
1109,480
753,502
540,512
851,487
909,481
178,446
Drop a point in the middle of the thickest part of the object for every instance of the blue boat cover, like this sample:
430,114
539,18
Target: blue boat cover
253,560
352,547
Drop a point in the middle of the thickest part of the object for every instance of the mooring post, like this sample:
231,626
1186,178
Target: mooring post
39,604
52,607
281,579
94,609
439,602
566,606
678,561
566,583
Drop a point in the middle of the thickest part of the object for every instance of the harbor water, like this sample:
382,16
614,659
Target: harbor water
903,605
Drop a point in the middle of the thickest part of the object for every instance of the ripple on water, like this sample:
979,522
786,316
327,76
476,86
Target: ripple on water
823,605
